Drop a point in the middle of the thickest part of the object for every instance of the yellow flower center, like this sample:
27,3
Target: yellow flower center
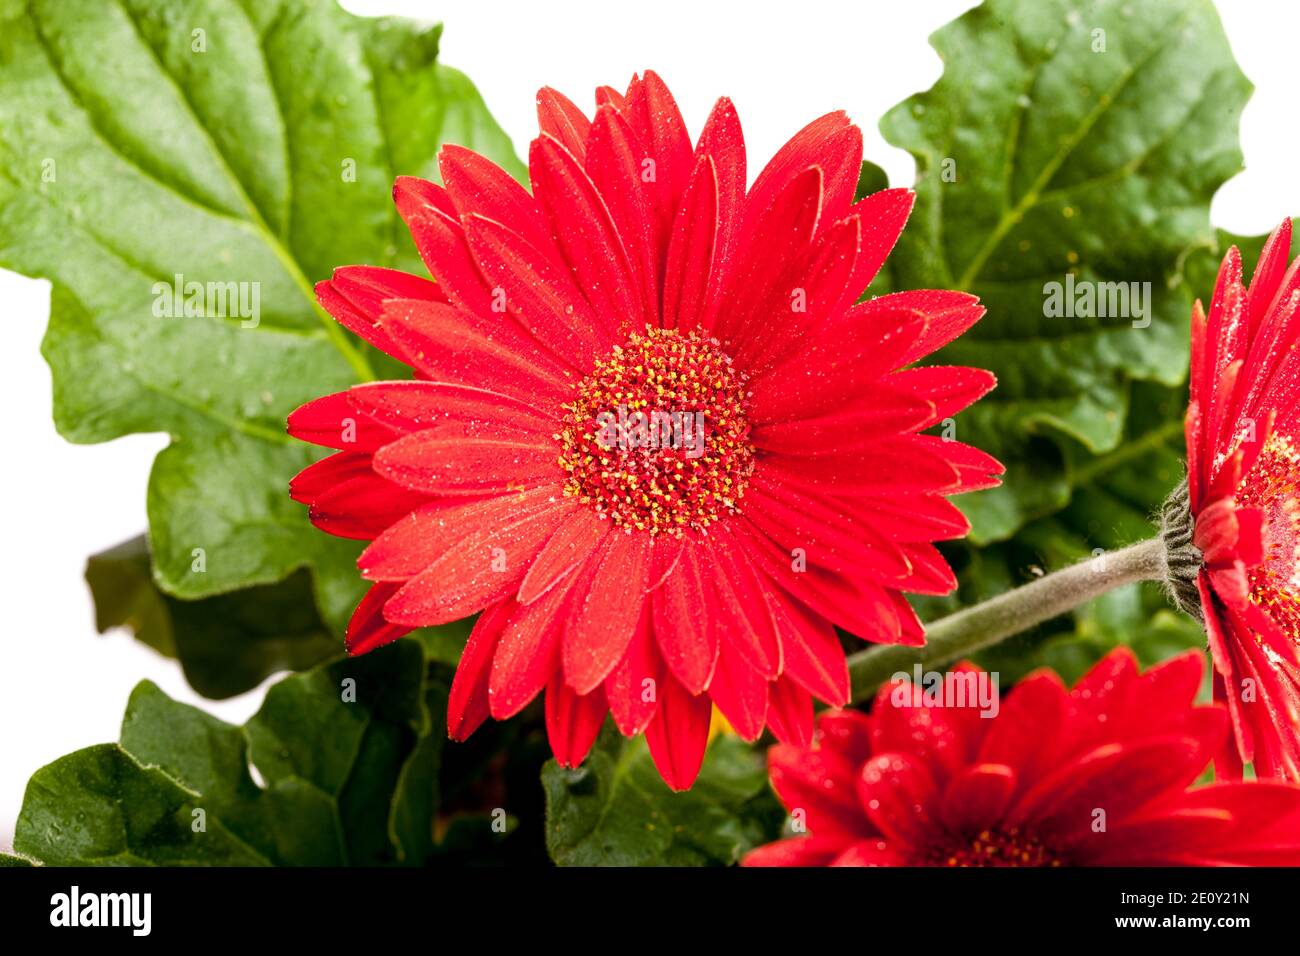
1273,486
656,437
1001,847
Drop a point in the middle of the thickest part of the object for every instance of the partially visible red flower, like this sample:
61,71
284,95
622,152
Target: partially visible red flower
651,574
1243,494
1096,776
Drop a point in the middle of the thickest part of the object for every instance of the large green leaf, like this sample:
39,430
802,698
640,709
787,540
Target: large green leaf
226,644
251,142
1114,502
1115,498
615,810
1065,137
339,766
229,643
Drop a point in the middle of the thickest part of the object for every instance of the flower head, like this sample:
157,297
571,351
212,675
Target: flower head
1096,776
1235,529
651,438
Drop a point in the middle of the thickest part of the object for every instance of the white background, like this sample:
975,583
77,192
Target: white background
63,687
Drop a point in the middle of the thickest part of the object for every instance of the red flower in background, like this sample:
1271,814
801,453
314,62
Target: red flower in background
648,569
1243,477
1097,776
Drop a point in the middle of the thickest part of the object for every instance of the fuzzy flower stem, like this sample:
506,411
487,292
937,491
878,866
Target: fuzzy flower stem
981,625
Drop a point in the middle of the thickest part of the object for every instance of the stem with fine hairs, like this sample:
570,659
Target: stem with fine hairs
981,625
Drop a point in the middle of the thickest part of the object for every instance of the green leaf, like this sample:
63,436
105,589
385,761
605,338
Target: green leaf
615,810
229,643
251,145
1065,137
1115,498
226,644
339,766
9,860
99,807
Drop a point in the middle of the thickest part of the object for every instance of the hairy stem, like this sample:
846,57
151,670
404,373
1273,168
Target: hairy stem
973,628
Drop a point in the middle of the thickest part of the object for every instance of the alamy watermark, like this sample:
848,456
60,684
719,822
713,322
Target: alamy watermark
214,300
1084,299
654,431
947,689
75,908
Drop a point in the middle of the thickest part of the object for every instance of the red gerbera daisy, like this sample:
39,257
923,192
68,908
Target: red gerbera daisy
1240,509
1097,776
651,437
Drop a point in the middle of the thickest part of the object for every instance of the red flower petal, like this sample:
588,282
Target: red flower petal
614,167
913,723
816,526
828,373
527,654
820,790
318,478
686,637
412,406
573,721
1270,271
800,851
367,628
947,315
678,734
883,215
577,538
452,345
446,461
949,389
483,568
425,535
976,469
723,142
654,117
467,704
790,712
604,620
632,687
740,599
559,118
831,142
362,507
847,734
1027,727
334,422
897,792
811,650
693,251
538,291
431,217
479,186
782,235
1112,778
587,238
608,96
977,798
356,294
740,692
856,604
